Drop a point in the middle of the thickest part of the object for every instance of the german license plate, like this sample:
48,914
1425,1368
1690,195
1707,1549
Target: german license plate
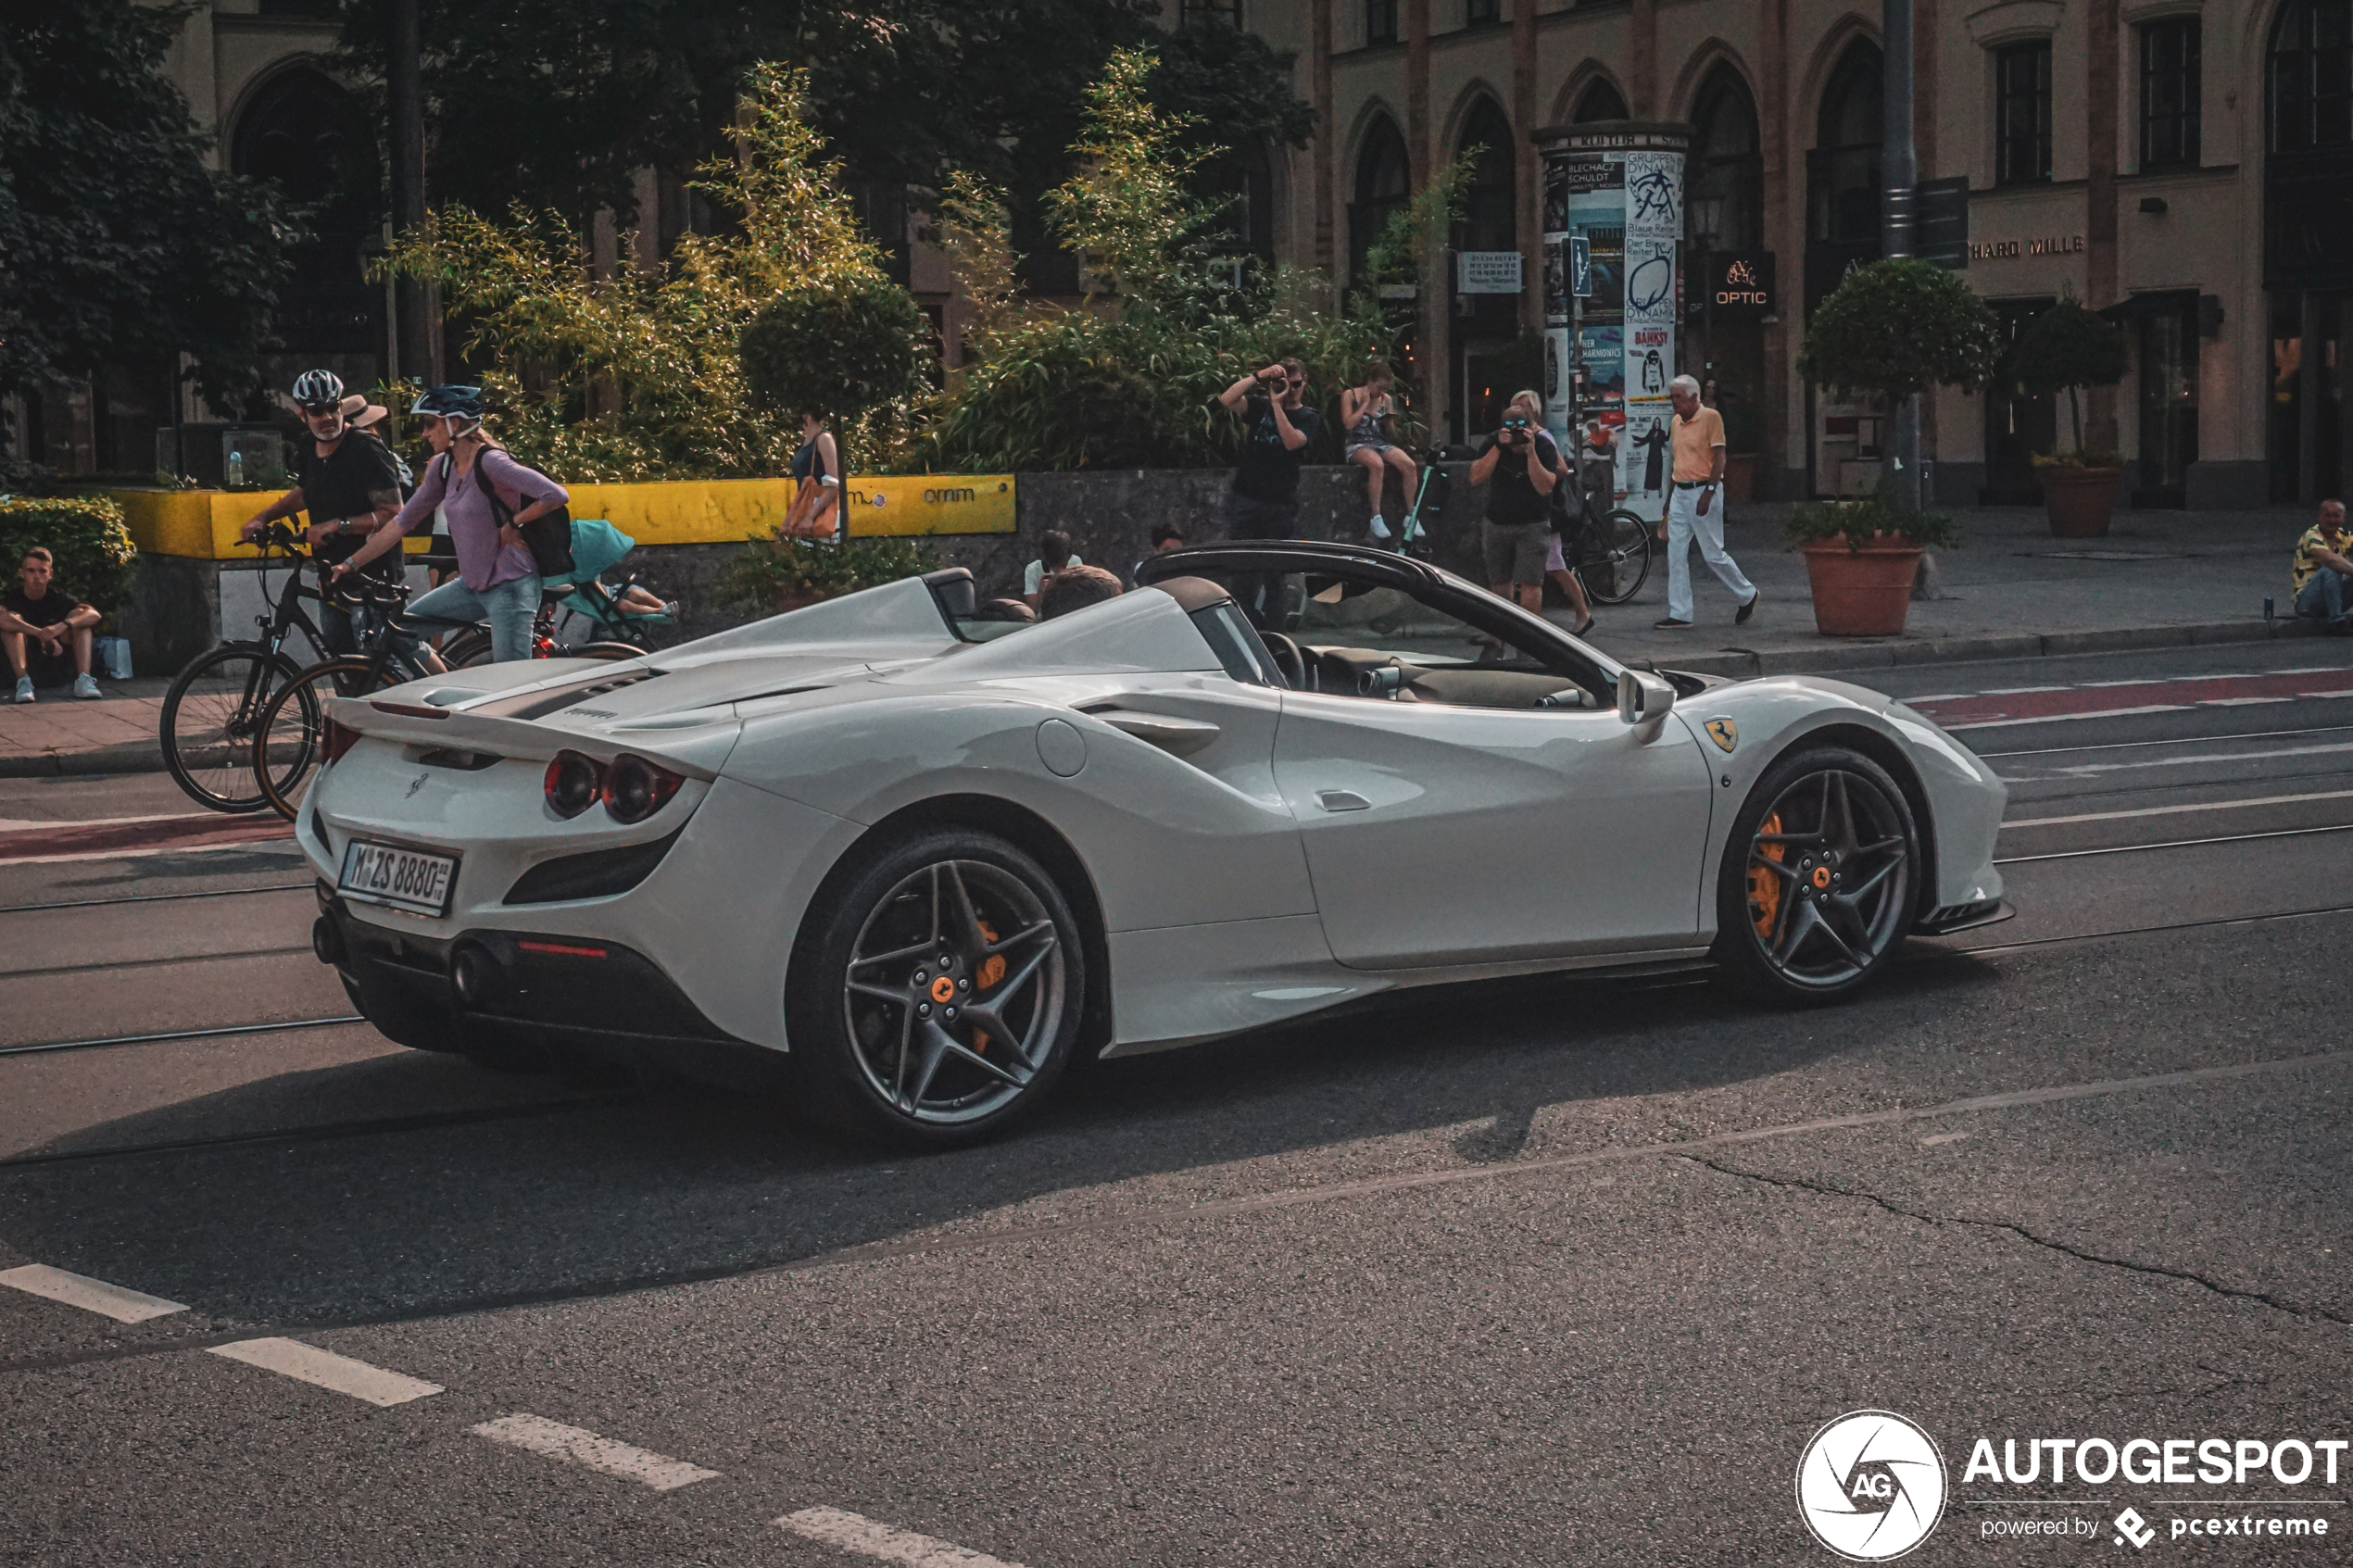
404,879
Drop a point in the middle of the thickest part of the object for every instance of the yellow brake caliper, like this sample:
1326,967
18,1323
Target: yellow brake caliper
1764,887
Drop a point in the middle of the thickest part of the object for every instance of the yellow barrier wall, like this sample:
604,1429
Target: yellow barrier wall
202,524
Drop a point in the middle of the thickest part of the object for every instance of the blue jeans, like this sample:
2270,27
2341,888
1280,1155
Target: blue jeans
2322,595
509,607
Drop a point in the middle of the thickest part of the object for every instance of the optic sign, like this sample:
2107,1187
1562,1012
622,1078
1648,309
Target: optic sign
1487,271
1735,285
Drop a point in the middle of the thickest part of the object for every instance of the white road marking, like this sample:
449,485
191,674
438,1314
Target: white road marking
538,1435
1938,697
90,1294
2084,769
2061,718
2239,701
1934,1139
855,1532
307,1363
2020,691
2177,811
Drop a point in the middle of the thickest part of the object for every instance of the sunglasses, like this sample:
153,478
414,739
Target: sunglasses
317,411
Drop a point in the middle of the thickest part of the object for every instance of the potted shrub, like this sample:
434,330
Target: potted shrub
1895,329
2068,349
787,575
1860,559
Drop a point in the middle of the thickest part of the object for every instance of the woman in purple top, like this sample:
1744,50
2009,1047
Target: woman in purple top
496,577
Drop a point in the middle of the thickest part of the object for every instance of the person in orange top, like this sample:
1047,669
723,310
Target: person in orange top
1693,507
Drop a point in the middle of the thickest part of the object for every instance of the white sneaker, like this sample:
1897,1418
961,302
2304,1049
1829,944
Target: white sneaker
24,688
85,689
1381,527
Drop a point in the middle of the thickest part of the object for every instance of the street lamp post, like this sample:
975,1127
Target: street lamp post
1900,173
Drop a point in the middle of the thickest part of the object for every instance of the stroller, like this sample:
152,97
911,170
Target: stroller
596,548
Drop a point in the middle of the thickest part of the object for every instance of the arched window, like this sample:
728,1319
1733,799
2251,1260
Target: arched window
1239,182
1490,219
1384,183
1599,101
304,132
1726,208
2312,76
1843,168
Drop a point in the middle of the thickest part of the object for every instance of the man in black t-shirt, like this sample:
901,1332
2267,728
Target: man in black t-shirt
1519,465
1263,500
346,481
46,629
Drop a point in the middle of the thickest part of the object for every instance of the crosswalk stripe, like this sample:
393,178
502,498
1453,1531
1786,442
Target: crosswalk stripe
855,1532
90,1294
307,1363
553,1439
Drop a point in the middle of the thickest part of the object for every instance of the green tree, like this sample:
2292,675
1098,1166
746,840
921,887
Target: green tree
2067,349
639,375
577,96
1896,328
116,240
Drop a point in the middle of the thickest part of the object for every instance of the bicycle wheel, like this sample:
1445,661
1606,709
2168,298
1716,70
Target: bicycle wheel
293,728
467,648
606,651
211,715
1617,572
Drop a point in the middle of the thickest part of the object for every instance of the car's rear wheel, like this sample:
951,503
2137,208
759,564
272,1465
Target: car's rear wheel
1819,878
936,994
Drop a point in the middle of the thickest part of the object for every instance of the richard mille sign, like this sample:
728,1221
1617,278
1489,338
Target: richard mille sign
2047,245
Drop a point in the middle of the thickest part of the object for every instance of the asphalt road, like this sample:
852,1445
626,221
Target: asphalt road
1522,1274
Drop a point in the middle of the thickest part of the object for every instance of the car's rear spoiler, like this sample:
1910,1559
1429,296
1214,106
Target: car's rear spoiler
418,724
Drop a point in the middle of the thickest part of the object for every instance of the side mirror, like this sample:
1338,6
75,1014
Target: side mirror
1642,698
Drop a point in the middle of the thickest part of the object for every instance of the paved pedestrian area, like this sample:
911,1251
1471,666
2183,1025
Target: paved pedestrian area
56,734
2009,591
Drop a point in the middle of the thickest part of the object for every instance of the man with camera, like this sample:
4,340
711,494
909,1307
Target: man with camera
1263,500
1516,536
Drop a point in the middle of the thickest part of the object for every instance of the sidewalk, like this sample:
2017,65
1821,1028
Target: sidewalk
2012,591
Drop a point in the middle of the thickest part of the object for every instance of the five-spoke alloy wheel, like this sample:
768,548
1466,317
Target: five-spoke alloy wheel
1820,877
939,994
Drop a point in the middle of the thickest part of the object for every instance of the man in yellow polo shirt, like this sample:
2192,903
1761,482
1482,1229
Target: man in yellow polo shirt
1694,507
2322,563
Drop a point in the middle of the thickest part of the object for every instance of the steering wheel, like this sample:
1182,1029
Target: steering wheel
1288,660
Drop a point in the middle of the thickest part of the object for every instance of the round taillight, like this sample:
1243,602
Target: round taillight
636,789
573,782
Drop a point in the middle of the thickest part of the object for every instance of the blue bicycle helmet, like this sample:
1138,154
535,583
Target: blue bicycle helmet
452,403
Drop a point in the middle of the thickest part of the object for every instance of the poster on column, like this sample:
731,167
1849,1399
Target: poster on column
1585,196
1652,240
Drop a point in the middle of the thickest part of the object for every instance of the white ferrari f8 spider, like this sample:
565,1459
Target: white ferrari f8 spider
921,858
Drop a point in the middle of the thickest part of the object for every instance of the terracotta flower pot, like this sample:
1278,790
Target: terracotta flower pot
1864,593
1740,478
2079,500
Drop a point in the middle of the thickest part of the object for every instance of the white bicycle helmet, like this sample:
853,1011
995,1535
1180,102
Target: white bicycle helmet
316,391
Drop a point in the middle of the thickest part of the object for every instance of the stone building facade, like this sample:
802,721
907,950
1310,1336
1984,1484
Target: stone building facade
2184,165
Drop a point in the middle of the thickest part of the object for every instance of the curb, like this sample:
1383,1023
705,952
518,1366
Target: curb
136,757
1741,664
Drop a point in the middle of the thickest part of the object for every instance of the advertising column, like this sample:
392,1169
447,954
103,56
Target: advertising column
1618,184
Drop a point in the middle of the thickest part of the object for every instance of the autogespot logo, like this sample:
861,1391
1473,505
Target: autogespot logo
1870,1486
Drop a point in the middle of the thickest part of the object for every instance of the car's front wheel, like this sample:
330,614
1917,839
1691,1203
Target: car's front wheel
936,994
1819,877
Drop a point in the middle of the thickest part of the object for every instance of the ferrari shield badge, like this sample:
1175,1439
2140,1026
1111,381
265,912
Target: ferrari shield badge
1724,733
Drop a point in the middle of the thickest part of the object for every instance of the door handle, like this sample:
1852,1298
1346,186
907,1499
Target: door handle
1341,800
1178,738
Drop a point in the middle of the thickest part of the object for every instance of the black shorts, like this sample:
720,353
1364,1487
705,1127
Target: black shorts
1247,517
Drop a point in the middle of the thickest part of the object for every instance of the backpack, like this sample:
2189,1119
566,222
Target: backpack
548,538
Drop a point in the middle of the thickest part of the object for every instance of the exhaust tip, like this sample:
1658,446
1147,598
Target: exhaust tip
326,941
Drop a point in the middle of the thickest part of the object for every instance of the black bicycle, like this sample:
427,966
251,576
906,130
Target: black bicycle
290,737
1610,552
214,707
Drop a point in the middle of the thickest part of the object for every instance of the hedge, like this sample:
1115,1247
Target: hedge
86,535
